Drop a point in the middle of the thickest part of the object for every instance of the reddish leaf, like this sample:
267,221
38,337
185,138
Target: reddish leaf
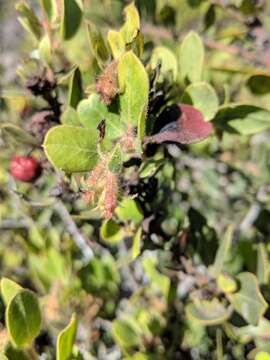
189,128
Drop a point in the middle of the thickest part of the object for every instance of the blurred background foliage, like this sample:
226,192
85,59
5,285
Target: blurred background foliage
166,303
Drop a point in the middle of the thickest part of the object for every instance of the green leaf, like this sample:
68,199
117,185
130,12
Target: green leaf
50,8
116,43
242,119
208,313
126,333
223,252
75,91
71,148
9,289
191,58
70,117
23,318
168,61
259,84
134,85
45,50
248,301
150,167
111,231
28,19
65,340
18,134
263,266
91,111
131,27
13,353
115,162
129,210
262,355
158,280
136,246
203,97
98,45
71,16
226,283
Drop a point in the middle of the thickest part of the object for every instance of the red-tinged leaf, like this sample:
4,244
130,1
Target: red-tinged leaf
189,128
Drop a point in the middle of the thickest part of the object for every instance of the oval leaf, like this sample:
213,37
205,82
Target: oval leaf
71,148
129,210
189,128
23,318
208,312
259,84
203,97
134,85
91,111
191,58
167,58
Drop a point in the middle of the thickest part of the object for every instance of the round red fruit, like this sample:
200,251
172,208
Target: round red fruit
25,168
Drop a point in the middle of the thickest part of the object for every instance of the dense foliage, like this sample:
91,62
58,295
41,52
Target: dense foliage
134,180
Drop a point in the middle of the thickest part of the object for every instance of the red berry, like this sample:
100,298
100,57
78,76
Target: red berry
25,168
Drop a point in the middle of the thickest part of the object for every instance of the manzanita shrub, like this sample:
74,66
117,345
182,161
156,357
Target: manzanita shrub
134,178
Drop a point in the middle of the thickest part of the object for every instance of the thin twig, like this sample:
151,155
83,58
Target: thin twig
253,211
72,228
9,224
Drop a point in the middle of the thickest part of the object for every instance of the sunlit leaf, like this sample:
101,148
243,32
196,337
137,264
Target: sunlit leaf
248,300
136,246
134,87
131,27
203,97
65,340
71,148
111,231
129,210
168,61
9,289
23,318
191,58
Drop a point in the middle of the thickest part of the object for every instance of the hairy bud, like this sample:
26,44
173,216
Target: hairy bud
102,189
106,85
